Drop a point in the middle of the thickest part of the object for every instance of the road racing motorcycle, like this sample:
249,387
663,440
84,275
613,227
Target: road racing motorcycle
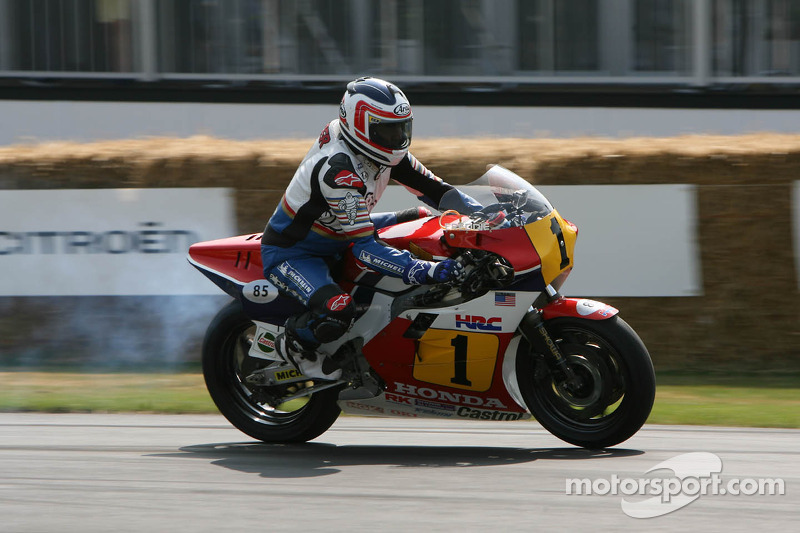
500,344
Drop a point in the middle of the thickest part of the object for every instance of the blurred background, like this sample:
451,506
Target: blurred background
499,43
86,71
548,58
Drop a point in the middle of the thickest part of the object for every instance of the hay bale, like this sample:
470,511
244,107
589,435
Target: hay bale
746,318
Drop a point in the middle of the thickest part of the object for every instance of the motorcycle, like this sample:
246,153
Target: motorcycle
500,344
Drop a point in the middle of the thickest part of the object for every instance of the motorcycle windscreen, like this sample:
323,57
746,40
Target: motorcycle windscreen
497,186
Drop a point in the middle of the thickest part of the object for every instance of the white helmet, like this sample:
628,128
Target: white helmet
376,119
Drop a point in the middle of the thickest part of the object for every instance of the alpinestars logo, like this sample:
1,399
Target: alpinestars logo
345,178
338,303
416,274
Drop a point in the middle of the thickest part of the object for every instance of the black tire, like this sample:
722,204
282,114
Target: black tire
226,364
619,382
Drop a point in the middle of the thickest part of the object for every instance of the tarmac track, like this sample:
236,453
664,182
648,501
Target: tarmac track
153,473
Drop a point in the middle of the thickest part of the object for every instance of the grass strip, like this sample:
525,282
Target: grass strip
694,399
123,392
728,399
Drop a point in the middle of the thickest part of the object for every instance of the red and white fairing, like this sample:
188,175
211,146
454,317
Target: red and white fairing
446,361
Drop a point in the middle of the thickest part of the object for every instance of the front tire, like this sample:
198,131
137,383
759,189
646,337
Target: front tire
617,387
226,364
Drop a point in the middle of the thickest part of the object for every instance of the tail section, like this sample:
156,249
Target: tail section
234,265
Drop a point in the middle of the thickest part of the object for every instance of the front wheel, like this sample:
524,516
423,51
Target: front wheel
615,382
226,364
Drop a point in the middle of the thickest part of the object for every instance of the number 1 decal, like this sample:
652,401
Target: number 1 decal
460,345
462,360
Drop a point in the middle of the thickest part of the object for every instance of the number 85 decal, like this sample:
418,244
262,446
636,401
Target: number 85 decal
463,360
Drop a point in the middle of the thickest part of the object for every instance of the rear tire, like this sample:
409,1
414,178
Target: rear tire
226,364
618,382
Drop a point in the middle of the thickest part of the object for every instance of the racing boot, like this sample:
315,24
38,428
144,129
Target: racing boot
304,358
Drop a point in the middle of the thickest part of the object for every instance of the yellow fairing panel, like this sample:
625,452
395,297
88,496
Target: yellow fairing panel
464,360
554,240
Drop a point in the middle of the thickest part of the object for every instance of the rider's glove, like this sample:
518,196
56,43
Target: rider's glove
447,270
421,272
491,218
497,220
412,213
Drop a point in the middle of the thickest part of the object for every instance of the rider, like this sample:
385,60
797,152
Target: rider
328,206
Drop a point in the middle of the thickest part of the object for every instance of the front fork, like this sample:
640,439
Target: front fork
533,329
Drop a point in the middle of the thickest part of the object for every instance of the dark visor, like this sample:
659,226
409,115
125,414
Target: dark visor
391,135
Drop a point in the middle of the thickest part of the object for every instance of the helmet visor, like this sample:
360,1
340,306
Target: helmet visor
391,135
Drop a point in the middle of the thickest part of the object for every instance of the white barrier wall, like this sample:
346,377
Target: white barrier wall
633,240
29,121
108,241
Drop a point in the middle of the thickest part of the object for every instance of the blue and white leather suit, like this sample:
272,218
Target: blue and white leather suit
327,206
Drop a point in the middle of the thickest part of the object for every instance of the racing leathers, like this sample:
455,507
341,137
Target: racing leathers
326,207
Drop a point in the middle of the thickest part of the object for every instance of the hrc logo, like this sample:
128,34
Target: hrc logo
479,322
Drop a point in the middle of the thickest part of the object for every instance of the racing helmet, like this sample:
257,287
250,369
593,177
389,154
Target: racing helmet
376,120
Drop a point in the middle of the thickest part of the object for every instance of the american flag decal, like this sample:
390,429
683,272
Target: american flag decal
507,299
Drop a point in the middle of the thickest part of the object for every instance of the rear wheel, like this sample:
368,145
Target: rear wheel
226,364
615,385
